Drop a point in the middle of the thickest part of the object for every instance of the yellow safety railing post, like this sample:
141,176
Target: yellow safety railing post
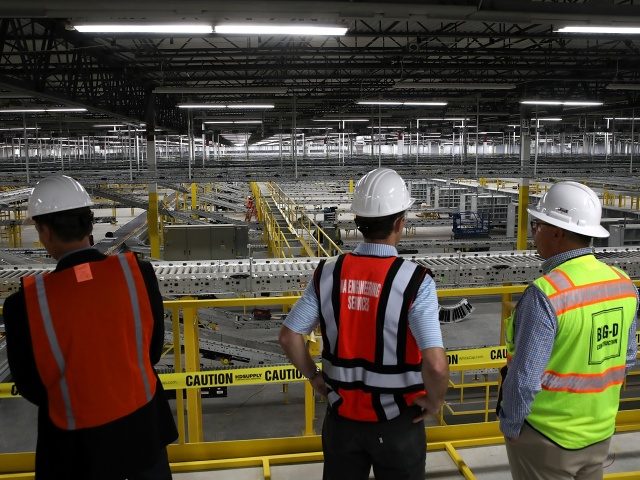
523,217
351,185
152,221
309,409
192,364
177,367
194,196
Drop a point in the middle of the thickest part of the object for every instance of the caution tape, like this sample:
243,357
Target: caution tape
474,358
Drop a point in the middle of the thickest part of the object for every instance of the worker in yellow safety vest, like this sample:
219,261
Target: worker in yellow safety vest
569,342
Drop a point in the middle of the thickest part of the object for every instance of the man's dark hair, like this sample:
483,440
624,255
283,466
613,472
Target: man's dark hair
68,225
377,228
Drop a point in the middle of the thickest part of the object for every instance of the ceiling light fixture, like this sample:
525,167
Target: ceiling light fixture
443,119
41,110
214,106
249,105
340,120
221,122
629,119
547,119
132,28
601,29
16,129
264,29
399,102
572,103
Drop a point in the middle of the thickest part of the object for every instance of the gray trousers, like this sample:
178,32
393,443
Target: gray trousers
534,457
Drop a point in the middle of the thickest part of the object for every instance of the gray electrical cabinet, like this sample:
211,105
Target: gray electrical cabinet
205,242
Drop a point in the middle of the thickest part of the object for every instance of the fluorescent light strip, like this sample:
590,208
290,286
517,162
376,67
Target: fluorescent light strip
603,29
222,122
408,104
547,119
622,118
41,110
204,106
561,102
387,127
263,29
340,120
443,119
17,129
124,28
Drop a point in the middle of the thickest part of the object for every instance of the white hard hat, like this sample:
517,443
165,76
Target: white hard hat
571,206
379,193
57,194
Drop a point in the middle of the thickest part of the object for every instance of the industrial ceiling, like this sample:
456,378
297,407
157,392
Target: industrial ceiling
480,58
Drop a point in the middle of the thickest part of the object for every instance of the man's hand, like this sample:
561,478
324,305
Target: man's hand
319,385
428,405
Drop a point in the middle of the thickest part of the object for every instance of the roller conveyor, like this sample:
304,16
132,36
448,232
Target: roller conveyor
261,276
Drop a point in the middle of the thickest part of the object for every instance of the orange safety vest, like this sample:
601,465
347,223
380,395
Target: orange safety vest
91,328
370,359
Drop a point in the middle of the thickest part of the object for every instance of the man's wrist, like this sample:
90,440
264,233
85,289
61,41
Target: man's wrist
313,375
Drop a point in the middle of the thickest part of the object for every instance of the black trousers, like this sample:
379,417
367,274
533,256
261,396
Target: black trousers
396,449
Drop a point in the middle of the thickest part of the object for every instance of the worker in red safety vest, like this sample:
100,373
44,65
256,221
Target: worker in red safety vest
82,341
251,209
384,367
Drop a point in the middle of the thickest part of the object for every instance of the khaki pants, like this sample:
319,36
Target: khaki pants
534,457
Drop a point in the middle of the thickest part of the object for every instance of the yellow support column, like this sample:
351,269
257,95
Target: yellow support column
351,186
194,196
152,221
177,368
192,364
523,217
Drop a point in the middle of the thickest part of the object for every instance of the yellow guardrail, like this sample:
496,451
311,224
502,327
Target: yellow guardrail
273,235
191,453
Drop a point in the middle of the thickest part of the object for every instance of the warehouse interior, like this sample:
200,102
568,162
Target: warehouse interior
225,148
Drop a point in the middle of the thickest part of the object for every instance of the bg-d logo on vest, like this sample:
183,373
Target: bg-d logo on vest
605,335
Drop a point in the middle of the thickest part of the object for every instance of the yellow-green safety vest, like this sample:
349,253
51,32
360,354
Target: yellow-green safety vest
595,305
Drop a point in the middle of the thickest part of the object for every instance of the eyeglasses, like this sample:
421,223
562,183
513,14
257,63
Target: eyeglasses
536,224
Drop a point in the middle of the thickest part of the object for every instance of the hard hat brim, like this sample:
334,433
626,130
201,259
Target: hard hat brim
595,231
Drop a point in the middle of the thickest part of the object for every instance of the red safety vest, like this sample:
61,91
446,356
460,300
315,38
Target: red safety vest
91,328
370,359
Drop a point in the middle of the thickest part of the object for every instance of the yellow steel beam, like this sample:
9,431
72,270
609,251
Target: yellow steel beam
463,468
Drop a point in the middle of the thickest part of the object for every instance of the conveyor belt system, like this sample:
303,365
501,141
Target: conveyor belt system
266,167
261,276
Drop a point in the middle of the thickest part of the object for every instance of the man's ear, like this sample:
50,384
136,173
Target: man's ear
44,231
398,223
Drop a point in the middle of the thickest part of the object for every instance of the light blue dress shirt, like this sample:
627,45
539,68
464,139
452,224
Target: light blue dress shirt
423,313
535,327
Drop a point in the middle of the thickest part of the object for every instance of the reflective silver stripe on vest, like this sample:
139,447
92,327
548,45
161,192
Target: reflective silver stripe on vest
369,378
558,280
43,303
135,308
589,383
393,311
389,405
333,397
590,294
326,303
